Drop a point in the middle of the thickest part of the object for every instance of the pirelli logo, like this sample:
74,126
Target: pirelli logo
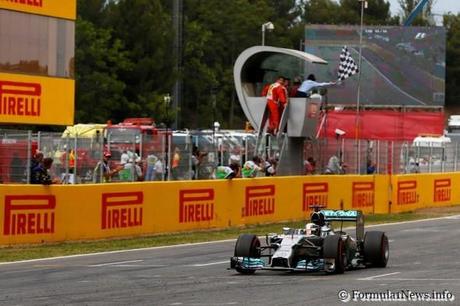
20,99
442,190
196,205
407,192
122,210
314,195
259,201
32,3
29,214
363,194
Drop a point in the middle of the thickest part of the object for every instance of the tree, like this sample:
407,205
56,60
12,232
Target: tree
321,12
144,27
214,35
377,12
423,19
452,24
99,91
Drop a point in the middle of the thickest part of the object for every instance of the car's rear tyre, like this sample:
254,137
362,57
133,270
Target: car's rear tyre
247,245
334,248
376,249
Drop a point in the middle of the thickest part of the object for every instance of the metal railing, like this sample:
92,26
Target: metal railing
185,155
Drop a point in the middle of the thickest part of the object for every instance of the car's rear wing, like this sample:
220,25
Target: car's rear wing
346,216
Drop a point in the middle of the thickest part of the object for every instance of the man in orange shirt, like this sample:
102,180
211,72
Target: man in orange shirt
276,98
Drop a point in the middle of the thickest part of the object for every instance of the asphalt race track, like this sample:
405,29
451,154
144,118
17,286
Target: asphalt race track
424,257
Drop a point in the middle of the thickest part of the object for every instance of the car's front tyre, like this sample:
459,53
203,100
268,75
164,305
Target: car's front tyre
247,246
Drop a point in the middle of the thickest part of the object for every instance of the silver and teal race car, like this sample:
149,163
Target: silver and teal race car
317,247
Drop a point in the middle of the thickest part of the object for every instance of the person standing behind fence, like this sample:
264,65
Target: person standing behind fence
175,164
252,167
224,172
40,173
103,168
151,161
310,166
158,170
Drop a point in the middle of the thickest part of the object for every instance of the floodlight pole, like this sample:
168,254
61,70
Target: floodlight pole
263,35
358,99
266,26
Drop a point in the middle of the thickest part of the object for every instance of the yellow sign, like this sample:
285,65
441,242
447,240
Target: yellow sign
36,100
37,214
55,8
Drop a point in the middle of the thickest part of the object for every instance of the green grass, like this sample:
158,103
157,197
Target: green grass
22,252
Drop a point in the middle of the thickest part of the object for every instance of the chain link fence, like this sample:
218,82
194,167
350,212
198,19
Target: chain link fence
194,155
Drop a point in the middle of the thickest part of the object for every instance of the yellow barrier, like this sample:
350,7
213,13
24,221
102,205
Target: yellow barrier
36,100
55,8
35,214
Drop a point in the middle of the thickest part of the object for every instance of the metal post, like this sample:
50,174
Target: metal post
455,157
168,158
263,35
29,155
177,90
357,123
75,164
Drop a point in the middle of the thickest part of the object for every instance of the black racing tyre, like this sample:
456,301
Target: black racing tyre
333,247
247,245
376,249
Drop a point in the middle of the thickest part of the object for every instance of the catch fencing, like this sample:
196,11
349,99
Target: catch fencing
194,155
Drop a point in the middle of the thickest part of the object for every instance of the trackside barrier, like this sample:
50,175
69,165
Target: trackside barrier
36,214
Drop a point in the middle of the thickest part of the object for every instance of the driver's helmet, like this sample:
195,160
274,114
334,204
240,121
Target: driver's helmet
312,229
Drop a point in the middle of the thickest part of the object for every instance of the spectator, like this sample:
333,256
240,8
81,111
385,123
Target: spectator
175,164
151,161
124,158
270,167
310,166
36,160
159,170
102,171
370,167
197,159
40,173
334,166
224,172
252,167
131,171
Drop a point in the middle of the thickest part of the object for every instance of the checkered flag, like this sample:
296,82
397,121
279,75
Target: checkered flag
347,66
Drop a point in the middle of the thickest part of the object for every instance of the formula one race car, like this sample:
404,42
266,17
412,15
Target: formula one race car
317,247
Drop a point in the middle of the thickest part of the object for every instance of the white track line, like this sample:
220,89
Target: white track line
117,252
115,263
377,276
210,264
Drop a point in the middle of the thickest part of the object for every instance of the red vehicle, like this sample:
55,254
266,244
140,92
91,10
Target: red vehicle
13,159
138,135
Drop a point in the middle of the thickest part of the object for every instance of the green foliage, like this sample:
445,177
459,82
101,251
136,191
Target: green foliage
100,62
452,24
126,61
408,6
